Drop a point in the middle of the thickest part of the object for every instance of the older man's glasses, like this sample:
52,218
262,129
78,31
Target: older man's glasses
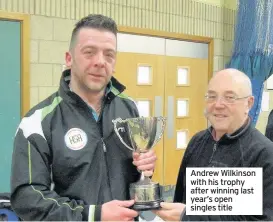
228,99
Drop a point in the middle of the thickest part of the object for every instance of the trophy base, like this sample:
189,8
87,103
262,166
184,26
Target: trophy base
146,194
154,205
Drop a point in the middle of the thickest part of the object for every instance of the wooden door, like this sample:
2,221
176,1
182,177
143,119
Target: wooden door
185,87
143,76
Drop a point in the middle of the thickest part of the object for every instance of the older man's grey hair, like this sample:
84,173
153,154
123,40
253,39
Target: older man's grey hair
239,77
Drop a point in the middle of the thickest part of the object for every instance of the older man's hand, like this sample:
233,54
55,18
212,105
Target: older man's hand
170,211
145,162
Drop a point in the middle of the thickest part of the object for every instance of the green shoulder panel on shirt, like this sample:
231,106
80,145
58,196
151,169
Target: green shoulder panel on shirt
121,95
48,109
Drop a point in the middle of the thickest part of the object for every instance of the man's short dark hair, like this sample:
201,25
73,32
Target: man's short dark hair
95,21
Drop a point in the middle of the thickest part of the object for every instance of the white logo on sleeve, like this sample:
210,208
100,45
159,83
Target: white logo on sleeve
75,139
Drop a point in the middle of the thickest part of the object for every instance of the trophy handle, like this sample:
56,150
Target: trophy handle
119,120
163,119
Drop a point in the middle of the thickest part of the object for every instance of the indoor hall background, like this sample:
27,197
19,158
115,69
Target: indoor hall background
51,23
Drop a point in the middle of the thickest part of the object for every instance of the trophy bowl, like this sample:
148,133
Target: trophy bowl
144,134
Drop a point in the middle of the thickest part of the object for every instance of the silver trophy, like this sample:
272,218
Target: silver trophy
144,134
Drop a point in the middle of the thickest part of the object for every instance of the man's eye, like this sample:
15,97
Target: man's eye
212,97
110,55
89,52
229,97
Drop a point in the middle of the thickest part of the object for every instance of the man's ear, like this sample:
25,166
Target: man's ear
68,59
250,102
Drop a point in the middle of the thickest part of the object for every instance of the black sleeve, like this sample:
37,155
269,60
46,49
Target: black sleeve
265,160
269,127
31,195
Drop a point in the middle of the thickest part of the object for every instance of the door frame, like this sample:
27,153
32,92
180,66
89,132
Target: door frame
25,60
176,36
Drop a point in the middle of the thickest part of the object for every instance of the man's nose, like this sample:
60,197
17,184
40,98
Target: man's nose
99,60
219,102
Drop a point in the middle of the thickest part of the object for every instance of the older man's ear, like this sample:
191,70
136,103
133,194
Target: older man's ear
250,103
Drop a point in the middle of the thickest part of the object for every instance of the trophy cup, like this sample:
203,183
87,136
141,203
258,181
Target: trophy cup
144,134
